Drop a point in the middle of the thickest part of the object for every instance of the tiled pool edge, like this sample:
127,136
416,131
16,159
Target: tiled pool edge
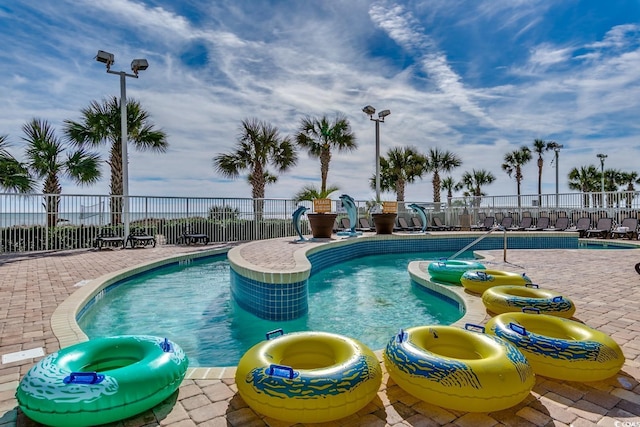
67,331
279,295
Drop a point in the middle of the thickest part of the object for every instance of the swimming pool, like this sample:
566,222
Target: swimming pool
368,298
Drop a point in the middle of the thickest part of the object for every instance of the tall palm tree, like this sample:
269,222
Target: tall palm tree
14,176
100,124
401,166
450,185
474,181
320,136
440,161
44,152
539,147
585,179
513,163
259,145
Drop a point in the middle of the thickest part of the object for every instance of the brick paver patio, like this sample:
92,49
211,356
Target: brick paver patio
602,283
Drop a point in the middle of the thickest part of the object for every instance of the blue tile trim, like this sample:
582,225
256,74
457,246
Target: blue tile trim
270,301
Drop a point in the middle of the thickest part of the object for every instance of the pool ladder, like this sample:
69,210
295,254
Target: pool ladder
498,228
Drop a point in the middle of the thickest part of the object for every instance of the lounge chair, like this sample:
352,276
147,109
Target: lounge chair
364,225
561,224
140,238
438,225
404,226
628,228
602,230
541,224
581,225
108,237
344,224
506,222
525,223
189,237
416,222
486,225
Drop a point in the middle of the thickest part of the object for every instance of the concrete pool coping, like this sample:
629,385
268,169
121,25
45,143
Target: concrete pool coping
291,263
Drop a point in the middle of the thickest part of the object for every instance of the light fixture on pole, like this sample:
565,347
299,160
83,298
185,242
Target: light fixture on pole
136,65
556,148
370,111
602,157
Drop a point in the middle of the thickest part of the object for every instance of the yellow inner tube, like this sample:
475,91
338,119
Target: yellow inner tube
458,369
505,299
308,377
479,281
559,348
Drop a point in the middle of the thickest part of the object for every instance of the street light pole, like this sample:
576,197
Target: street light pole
556,148
136,65
370,111
602,157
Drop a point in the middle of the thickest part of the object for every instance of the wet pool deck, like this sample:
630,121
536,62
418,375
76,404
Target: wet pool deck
602,283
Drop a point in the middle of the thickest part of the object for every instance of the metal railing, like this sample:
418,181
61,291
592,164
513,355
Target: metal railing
38,222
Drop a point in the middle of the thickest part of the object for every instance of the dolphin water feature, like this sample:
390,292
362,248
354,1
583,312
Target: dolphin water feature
352,211
296,222
423,217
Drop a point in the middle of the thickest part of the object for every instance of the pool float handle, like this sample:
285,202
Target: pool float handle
517,328
531,285
531,310
275,331
166,346
84,378
473,326
281,371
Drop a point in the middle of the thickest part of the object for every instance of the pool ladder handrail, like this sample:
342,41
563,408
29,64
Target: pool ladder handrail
497,227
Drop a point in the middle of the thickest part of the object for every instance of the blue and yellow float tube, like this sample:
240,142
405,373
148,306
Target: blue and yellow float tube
451,270
509,299
458,369
479,281
559,348
102,380
308,377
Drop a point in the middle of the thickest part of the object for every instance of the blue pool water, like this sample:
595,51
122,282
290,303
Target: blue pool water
367,298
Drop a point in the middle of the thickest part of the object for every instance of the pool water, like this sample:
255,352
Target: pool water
368,298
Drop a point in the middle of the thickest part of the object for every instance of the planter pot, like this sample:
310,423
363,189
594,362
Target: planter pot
384,222
322,224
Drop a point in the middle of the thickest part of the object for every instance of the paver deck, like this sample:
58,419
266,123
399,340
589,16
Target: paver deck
602,283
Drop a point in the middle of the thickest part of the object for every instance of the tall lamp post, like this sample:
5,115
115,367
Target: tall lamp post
370,111
556,148
602,157
136,65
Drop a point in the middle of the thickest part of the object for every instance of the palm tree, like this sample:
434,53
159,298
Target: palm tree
320,136
450,185
310,192
539,147
585,179
401,166
474,181
259,145
440,161
628,179
14,176
513,163
100,124
44,151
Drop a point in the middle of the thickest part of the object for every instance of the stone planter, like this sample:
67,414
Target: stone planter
322,224
384,222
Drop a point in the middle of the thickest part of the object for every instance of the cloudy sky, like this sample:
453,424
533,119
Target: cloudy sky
479,78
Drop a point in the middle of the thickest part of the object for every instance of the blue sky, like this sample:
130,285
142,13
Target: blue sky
479,78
